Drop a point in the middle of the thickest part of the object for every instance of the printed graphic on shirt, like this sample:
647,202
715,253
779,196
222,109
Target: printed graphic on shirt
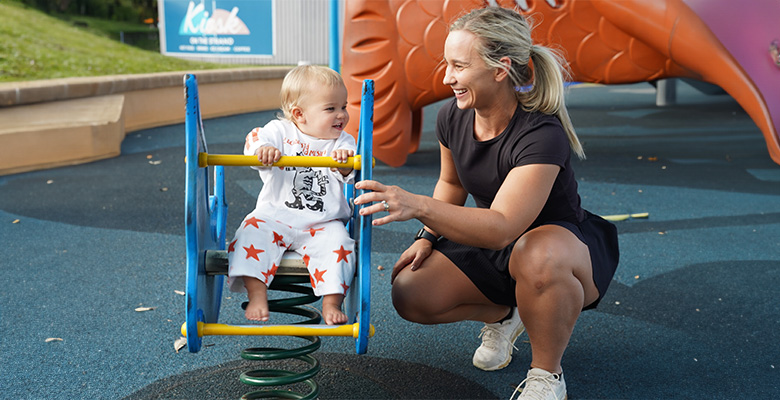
309,187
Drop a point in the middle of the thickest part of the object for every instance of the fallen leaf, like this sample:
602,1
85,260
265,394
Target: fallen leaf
142,309
179,292
54,339
49,182
616,218
380,268
16,221
155,162
179,343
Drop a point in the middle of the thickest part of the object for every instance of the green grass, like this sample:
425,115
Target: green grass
36,46
137,34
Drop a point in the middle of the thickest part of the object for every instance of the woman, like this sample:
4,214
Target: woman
528,252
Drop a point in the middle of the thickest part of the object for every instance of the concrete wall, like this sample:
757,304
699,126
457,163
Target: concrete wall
57,122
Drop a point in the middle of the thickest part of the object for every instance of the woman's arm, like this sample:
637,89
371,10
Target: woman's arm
448,188
517,204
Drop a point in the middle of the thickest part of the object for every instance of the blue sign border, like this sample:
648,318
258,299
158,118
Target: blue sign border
217,28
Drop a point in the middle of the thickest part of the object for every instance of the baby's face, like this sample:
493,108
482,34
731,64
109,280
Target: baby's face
324,112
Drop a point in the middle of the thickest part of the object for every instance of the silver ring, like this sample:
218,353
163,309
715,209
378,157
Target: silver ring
387,206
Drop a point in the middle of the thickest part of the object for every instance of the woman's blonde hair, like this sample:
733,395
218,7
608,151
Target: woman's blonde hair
304,80
506,33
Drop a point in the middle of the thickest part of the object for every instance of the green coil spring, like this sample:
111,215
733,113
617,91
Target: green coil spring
277,377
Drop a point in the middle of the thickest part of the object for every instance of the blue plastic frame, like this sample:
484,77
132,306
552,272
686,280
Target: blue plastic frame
206,220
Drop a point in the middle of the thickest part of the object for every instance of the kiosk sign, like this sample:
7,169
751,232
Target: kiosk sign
216,27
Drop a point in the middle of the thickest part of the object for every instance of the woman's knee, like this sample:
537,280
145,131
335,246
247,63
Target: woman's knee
406,297
537,261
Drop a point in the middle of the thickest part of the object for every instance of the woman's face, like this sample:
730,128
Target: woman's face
473,83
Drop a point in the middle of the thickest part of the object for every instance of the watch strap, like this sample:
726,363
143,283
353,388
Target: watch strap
423,234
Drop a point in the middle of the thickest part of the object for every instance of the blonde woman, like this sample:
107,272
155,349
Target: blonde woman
528,257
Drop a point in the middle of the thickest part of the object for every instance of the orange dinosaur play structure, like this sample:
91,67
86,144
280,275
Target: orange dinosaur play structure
399,44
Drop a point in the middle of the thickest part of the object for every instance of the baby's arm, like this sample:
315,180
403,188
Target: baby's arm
268,155
341,155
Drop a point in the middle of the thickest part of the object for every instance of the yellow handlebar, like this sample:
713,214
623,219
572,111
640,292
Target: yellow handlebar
237,160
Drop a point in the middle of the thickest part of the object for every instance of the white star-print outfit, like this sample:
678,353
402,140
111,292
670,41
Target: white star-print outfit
298,209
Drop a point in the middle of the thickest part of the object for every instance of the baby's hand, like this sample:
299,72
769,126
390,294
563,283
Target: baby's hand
341,155
268,155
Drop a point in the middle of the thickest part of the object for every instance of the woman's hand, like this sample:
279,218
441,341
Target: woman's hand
399,204
413,257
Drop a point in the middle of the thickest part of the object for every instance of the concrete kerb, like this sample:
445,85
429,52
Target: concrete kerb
57,122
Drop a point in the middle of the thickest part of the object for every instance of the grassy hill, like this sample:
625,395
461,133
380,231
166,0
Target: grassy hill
36,46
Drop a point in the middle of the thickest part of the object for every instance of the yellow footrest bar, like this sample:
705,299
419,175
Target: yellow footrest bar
237,160
206,329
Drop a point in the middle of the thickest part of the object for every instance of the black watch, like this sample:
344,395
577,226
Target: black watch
423,234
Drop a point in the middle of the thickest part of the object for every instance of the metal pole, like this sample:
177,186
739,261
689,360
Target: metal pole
334,52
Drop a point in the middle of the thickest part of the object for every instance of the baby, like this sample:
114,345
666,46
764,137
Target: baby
299,209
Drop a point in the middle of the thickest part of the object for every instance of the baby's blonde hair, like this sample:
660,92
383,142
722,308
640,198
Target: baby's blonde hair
303,80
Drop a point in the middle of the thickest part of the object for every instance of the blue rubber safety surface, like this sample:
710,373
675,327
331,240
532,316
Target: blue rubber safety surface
692,311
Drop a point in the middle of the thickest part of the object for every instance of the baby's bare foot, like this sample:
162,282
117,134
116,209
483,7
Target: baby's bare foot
333,315
331,309
257,309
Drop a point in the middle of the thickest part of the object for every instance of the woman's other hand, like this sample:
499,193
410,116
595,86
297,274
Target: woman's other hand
413,257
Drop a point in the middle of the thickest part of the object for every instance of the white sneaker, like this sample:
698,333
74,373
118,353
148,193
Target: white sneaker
498,341
541,385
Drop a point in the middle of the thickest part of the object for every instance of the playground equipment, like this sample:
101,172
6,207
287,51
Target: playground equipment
400,43
206,218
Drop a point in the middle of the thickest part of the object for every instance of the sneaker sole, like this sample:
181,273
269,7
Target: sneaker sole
565,396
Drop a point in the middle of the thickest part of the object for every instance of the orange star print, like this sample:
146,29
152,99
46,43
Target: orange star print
279,240
342,254
272,272
252,252
312,231
317,277
252,221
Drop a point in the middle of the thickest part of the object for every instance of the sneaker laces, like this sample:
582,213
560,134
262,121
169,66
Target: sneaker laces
537,387
490,336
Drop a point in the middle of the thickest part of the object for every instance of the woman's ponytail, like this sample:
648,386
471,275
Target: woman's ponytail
547,91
